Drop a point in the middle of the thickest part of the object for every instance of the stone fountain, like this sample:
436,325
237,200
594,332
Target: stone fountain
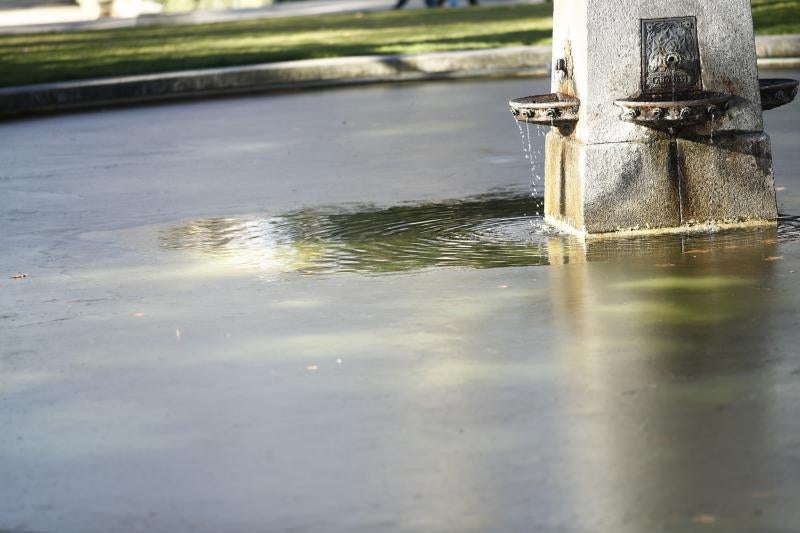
656,116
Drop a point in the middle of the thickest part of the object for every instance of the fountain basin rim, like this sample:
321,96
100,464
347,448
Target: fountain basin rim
687,100
544,101
765,83
553,109
691,109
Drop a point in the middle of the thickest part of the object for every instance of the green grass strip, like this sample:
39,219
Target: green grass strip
40,58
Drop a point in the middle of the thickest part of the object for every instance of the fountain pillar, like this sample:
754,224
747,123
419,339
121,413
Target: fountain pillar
665,129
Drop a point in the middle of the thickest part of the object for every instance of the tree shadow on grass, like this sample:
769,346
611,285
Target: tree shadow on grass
74,69
382,21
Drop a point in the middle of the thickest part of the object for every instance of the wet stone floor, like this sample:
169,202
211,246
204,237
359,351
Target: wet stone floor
239,316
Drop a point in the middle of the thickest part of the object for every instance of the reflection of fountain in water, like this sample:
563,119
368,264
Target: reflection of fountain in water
488,231
650,422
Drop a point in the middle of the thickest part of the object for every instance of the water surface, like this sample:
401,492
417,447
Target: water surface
207,338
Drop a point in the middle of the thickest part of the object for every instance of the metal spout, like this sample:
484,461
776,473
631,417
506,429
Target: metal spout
630,114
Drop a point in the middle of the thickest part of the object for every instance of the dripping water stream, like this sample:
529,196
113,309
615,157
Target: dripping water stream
532,150
676,171
672,73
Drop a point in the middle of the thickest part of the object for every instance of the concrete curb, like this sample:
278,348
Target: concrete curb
287,75
293,75
775,46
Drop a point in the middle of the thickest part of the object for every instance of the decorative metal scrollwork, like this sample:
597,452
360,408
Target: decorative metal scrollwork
670,56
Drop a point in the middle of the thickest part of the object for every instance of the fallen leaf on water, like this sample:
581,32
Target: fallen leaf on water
774,258
138,315
312,368
704,519
19,276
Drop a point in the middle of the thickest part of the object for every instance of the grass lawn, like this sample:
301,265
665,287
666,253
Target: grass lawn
43,58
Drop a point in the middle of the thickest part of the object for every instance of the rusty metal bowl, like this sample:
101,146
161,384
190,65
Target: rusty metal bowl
776,92
555,109
685,110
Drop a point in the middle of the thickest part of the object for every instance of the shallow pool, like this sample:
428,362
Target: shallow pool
339,311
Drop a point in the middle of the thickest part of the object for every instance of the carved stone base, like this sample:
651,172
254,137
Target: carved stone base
658,185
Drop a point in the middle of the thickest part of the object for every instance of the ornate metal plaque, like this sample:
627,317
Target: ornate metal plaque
670,56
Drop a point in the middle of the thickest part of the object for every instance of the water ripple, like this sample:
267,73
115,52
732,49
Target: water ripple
487,231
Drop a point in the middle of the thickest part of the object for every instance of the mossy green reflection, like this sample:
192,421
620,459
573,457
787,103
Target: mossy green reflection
501,229
492,230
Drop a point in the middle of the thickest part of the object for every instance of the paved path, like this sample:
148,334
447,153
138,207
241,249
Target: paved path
49,17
